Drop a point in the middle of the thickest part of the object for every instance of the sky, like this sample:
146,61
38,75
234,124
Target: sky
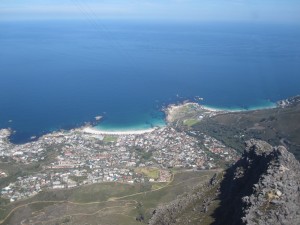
194,10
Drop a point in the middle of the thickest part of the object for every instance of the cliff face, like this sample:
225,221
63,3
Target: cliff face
263,187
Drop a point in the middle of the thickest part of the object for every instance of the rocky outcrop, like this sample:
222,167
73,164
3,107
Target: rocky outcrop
289,101
263,187
197,200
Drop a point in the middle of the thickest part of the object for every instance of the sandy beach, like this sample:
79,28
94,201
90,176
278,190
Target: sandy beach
238,109
212,109
91,130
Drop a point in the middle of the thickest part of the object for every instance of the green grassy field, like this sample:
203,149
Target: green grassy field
110,138
149,172
190,122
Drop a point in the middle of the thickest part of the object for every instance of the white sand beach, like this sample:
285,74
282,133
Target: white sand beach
91,130
212,109
262,107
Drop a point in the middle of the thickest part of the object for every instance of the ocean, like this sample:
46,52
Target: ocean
61,74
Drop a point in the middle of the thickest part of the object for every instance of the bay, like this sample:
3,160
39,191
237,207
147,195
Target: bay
61,74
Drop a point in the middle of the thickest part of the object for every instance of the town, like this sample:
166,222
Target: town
74,158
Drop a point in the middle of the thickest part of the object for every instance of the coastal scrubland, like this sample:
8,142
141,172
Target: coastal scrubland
278,126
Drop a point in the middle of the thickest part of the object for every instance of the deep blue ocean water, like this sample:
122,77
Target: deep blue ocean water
61,74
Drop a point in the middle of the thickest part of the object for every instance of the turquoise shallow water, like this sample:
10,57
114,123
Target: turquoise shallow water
151,121
61,74
147,121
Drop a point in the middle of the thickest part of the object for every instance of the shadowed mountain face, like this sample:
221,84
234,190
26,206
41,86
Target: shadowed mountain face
263,187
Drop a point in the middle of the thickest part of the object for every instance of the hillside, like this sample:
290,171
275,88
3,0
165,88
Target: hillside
277,126
109,203
263,187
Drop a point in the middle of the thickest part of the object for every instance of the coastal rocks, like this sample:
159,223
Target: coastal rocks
288,102
177,112
267,191
5,133
188,114
98,118
4,139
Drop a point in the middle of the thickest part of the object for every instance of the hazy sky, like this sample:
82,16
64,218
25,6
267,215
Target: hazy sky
199,10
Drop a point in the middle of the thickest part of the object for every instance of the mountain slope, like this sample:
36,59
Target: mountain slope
263,187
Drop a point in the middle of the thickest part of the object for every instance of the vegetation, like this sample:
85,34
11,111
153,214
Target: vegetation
106,203
145,156
120,203
190,122
15,170
110,138
78,179
191,207
156,186
149,172
278,126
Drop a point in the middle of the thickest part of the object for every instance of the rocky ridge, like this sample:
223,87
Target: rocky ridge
197,201
263,188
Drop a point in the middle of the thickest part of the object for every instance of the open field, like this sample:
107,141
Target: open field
109,138
149,172
106,203
190,122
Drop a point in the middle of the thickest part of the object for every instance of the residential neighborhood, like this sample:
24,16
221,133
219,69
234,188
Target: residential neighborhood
74,158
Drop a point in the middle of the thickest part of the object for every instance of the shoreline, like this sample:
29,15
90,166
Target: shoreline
173,112
272,105
168,114
93,130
